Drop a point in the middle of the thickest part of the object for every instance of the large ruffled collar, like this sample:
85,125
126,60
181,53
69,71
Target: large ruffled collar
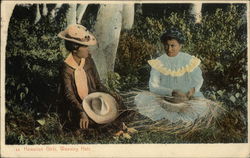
189,67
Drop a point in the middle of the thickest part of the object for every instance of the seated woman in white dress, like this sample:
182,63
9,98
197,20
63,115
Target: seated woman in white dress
174,84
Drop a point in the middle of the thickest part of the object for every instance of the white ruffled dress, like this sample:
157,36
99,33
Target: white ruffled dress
181,72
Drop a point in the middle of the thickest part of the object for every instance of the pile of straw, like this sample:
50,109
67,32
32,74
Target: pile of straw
143,123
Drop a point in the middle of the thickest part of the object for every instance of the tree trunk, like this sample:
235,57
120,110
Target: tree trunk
45,10
107,31
55,10
6,12
80,11
128,16
38,14
138,9
196,12
71,14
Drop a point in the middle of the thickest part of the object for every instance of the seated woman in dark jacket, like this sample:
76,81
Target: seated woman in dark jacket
79,76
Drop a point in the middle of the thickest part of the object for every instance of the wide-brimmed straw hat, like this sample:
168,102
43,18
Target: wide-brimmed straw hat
78,34
100,107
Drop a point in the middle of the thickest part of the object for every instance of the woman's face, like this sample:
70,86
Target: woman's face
172,47
82,52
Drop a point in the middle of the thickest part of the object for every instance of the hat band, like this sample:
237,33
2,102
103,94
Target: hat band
86,39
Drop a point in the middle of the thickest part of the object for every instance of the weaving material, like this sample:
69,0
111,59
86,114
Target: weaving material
156,108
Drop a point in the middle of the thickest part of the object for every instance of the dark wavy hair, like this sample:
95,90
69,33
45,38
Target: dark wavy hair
173,34
71,46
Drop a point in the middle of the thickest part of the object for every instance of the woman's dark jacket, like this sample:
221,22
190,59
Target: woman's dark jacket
71,103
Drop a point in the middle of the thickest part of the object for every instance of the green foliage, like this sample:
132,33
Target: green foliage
33,58
132,56
34,54
219,41
113,82
20,124
29,127
25,129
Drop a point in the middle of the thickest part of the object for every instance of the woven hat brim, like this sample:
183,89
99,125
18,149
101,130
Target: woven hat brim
90,42
101,119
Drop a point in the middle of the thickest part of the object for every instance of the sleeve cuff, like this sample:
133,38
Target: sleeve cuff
171,92
80,109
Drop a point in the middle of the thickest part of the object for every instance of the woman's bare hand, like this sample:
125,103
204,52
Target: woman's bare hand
190,93
84,120
178,93
179,96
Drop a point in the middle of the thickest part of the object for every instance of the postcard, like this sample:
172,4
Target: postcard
124,78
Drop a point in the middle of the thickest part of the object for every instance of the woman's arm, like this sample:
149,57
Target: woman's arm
154,84
68,92
197,79
71,99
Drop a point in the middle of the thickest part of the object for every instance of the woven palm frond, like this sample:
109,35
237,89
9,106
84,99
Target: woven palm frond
185,128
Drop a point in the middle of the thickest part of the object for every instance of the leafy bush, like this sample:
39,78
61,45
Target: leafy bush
25,126
33,58
219,41
113,82
132,55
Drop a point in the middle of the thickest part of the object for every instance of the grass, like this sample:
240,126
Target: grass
25,126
